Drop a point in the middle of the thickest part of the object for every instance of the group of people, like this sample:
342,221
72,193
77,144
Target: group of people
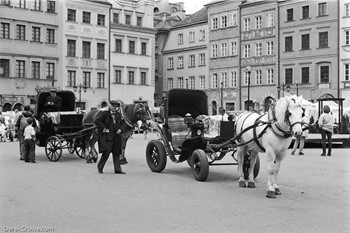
7,130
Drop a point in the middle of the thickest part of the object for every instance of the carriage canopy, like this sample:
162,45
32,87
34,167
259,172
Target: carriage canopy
68,101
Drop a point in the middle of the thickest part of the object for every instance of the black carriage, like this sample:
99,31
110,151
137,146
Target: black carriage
182,137
61,129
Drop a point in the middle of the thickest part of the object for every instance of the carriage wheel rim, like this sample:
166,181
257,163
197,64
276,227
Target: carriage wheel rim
155,157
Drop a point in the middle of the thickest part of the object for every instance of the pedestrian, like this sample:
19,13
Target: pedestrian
10,130
29,142
326,124
108,124
20,125
301,141
2,131
145,127
224,116
17,114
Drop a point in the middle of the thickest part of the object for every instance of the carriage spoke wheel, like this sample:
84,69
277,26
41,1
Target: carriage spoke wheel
200,165
71,146
156,156
78,146
53,148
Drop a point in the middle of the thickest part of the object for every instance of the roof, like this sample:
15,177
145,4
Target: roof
106,2
199,16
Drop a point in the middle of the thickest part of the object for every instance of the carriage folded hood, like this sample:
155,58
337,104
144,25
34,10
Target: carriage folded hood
68,101
183,101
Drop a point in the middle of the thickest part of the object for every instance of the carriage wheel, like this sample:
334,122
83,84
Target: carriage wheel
71,148
78,145
189,161
156,156
200,165
53,148
246,166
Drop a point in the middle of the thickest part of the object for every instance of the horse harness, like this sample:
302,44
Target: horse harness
126,120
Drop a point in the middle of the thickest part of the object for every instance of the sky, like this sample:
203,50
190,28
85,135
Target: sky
192,6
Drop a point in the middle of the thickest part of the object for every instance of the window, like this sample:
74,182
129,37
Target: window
305,75
270,76
143,78
51,6
143,48
323,40
214,23
192,82
71,79
86,79
192,62
101,20
305,12
20,32
139,21
191,37
233,79
289,76
35,70
128,19
50,69
36,34
230,106
322,9
246,78
36,5
181,82
223,49
71,48
202,59
346,72
214,50
201,35
20,68
270,20
71,15
118,45
232,19
50,36
100,80
289,44
180,62
5,31
170,63
115,17
347,37
4,67
258,49
214,80
118,76
247,50
180,39
100,51
305,42
202,82
270,48
258,22
324,74
233,48
347,9
290,15
170,83
223,21
86,17
246,25
258,77
224,79
22,4
132,47
86,49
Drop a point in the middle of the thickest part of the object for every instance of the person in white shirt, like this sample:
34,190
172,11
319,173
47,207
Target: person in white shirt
29,142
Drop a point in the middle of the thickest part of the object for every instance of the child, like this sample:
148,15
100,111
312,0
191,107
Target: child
29,142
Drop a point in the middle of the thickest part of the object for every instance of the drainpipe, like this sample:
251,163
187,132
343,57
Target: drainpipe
338,50
240,56
278,47
109,55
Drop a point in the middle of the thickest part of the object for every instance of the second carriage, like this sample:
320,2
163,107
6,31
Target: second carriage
186,135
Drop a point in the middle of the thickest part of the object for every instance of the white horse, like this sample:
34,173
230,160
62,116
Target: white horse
271,133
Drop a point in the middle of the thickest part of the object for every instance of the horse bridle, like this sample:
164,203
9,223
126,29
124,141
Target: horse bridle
127,121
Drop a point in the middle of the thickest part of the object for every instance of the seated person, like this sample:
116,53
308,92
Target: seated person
53,102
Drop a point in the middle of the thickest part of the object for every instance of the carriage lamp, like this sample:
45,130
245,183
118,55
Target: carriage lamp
281,88
78,88
188,119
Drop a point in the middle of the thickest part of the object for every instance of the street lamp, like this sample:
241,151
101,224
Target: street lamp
281,87
78,88
248,70
297,83
221,94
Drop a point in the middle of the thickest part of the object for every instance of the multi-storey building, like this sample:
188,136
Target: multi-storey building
344,50
185,54
28,50
84,51
223,80
308,47
132,52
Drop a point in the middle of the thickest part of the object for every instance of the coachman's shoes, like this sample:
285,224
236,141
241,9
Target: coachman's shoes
120,172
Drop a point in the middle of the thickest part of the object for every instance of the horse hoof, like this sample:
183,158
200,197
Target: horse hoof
242,184
271,194
88,161
251,184
95,160
277,191
123,161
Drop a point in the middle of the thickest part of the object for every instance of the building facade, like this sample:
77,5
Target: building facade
344,50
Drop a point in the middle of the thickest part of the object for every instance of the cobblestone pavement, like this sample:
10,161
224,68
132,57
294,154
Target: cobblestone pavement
70,196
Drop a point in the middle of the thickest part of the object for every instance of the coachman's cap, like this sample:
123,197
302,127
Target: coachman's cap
114,103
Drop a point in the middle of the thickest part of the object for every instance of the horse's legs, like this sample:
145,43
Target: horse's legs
93,151
253,155
271,192
240,158
278,162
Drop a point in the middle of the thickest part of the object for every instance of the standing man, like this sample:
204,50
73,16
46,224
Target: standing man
108,124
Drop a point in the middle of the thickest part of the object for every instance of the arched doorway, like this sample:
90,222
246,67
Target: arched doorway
267,103
103,104
18,106
214,106
248,104
6,107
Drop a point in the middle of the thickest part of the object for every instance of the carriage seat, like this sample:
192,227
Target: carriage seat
179,130
56,116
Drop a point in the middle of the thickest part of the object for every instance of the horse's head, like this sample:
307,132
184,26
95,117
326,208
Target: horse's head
142,112
294,114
